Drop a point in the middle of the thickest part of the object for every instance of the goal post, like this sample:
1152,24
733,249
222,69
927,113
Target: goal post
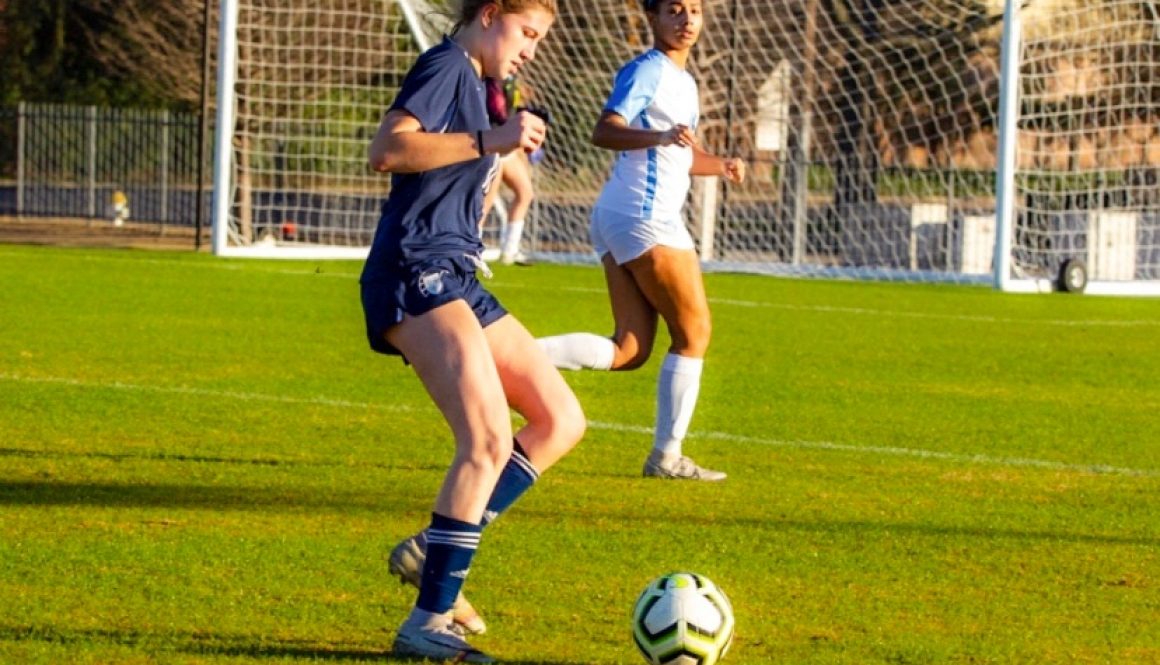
301,88
1007,131
1078,181
991,142
223,169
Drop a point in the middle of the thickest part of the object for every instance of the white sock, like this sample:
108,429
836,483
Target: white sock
579,351
513,232
677,390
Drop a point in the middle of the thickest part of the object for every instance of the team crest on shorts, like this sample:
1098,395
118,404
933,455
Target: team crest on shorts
431,282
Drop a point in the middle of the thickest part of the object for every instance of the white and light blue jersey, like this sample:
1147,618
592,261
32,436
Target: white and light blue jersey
651,92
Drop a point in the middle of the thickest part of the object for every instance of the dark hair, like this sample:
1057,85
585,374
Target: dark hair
469,9
650,6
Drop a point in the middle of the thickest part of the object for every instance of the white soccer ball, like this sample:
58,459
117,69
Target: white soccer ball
682,619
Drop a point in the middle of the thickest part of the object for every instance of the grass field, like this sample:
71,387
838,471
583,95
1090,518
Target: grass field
201,462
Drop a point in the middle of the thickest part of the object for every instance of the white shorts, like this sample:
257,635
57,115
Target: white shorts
627,237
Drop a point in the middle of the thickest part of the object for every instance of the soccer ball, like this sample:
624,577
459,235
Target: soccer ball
682,619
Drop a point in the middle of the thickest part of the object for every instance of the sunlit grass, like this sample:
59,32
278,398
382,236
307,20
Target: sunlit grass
201,461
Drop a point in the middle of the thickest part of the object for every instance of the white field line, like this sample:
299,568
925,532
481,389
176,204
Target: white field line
929,315
204,392
247,265
825,309
874,451
866,311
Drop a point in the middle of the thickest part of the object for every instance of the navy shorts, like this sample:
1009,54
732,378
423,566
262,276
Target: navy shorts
419,288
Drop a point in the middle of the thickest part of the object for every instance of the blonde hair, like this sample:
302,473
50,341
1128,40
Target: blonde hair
469,9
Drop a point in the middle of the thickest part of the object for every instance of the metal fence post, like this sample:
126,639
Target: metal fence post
20,138
91,126
164,168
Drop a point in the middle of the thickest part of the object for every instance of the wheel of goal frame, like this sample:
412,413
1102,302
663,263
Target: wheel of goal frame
1072,276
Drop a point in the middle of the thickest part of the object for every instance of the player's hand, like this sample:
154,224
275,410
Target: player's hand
733,169
524,131
679,135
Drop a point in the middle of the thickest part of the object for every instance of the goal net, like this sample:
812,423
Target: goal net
872,129
1084,174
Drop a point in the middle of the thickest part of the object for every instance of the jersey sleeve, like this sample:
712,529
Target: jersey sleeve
634,88
430,92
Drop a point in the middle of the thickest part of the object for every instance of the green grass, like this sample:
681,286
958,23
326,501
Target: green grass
201,462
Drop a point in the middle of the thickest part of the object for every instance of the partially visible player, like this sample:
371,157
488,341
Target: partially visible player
649,259
423,302
503,97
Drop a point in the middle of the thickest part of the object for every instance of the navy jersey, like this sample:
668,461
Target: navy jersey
435,213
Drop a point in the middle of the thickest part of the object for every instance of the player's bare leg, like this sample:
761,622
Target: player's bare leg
671,282
535,389
450,354
517,175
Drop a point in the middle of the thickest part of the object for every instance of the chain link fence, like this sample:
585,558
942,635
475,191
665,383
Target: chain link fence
87,162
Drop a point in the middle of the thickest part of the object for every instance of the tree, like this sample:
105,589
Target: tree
131,53
890,80
156,43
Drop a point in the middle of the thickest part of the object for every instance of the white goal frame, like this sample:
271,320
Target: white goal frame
1006,272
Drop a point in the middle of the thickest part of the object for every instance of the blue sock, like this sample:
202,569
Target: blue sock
517,477
450,546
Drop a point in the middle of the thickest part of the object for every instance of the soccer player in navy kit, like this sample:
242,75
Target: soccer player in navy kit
422,301
650,263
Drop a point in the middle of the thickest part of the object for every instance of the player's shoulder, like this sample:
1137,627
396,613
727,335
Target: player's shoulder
445,56
651,62
644,72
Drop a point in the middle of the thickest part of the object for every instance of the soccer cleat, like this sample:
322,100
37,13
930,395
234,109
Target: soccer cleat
406,562
431,636
517,259
677,467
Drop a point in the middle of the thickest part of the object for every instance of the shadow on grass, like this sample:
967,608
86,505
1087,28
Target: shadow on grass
280,498
211,459
210,644
647,521
161,495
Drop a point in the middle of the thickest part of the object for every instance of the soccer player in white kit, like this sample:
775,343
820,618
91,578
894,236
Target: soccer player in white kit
650,263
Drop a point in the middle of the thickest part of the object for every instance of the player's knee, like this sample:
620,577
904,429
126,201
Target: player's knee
692,337
700,342
630,363
489,452
563,422
523,194
570,422
557,430
631,355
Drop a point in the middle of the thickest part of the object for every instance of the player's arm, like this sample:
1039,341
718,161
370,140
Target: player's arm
704,163
612,132
402,146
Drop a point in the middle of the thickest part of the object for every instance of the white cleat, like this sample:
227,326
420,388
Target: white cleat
517,259
432,636
677,467
406,562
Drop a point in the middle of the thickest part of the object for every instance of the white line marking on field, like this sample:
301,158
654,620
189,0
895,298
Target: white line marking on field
205,392
892,451
865,311
883,451
249,265
929,315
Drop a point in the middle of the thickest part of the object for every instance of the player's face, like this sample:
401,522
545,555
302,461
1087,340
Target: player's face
515,38
677,24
